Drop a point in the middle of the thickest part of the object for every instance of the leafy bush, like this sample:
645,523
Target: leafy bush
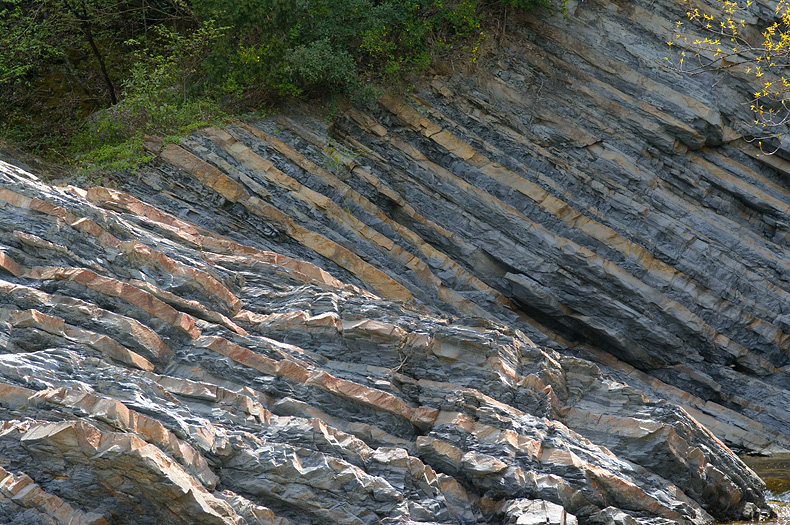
158,99
338,46
102,73
318,65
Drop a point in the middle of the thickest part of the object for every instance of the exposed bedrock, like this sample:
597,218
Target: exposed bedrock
554,288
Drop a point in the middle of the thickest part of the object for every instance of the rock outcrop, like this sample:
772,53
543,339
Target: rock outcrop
554,290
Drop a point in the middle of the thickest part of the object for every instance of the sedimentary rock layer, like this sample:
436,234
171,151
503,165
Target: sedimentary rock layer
154,371
550,288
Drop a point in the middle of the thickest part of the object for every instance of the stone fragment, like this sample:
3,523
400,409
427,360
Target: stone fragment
536,512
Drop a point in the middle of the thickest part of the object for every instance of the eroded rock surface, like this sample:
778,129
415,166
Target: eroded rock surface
554,290
157,372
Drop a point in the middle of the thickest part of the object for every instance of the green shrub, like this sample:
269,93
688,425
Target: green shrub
158,99
337,46
113,74
318,66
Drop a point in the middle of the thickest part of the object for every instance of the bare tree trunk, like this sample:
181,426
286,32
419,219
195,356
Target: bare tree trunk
85,25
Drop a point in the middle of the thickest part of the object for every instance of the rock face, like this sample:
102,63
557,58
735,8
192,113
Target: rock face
555,290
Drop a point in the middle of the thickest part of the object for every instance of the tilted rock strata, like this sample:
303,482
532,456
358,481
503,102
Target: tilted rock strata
514,296
571,188
194,378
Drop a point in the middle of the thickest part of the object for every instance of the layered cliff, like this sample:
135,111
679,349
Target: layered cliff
554,288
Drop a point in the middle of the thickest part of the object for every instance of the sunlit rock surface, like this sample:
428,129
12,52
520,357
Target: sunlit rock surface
553,289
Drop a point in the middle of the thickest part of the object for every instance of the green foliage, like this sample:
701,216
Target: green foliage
311,47
63,60
249,64
168,58
127,155
338,158
20,52
317,64
91,77
156,100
